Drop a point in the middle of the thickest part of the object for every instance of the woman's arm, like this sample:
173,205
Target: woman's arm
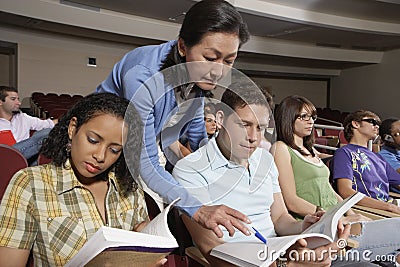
286,181
283,222
13,257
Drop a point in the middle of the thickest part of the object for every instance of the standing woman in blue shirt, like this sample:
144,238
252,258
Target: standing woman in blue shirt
212,32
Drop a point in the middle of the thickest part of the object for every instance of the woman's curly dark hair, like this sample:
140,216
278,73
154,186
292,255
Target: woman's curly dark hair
126,168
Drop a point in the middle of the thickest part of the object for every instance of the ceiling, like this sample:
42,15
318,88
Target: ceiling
283,28
343,28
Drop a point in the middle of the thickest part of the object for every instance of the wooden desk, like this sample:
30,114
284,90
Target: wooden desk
384,213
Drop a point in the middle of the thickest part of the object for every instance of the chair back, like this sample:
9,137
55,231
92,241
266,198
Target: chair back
342,139
43,159
11,161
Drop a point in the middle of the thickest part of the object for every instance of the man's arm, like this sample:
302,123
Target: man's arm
36,123
345,190
211,216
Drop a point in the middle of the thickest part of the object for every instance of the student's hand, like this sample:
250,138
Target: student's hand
322,256
311,219
211,217
160,262
393,208
139,227
355,218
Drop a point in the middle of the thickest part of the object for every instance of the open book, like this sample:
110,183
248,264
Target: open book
258,254
118,247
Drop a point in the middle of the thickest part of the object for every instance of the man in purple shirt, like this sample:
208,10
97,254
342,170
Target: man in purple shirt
356,168
20,124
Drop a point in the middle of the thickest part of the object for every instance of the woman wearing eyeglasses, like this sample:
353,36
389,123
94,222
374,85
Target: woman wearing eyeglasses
303,177
356,168
304,181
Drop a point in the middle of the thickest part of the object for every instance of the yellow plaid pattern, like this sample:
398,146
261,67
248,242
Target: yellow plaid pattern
46,208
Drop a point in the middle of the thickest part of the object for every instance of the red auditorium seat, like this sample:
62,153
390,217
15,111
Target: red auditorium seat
11,161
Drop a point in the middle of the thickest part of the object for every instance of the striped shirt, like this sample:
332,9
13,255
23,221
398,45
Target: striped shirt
48,208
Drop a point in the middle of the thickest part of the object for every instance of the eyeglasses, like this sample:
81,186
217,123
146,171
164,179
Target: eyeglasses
372,121
307,117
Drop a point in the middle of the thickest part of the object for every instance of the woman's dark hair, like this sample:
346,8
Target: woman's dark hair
212,16
356,116
88,108
204,17
286,115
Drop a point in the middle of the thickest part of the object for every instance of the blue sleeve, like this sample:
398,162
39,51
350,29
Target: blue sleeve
342,165
392,174
124,79
390,158
154,175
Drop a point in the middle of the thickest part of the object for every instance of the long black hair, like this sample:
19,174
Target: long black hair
286,115
86,109
204,17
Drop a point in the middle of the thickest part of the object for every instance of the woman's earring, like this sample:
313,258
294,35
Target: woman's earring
68,148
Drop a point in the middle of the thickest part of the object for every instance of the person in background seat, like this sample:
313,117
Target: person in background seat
18,125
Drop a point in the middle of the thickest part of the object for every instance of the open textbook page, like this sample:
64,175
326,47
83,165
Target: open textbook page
258,254
118,247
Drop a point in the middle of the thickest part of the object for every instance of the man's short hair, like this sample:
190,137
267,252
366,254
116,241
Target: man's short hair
241,94
356,116
4,90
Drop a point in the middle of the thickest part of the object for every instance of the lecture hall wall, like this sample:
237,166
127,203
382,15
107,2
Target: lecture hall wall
373,87
57,63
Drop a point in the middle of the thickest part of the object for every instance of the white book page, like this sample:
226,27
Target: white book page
107,237
155,235
328,223
253,253
159,225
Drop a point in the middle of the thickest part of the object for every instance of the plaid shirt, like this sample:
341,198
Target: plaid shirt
47,207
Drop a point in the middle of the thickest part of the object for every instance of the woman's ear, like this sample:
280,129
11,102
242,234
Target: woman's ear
72,127
219,118
181,47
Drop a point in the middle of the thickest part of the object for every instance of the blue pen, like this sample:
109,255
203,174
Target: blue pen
258,235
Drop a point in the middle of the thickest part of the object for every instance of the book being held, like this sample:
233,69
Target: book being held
118,247
320,233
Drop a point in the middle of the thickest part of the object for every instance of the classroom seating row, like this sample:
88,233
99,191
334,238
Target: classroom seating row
51,105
